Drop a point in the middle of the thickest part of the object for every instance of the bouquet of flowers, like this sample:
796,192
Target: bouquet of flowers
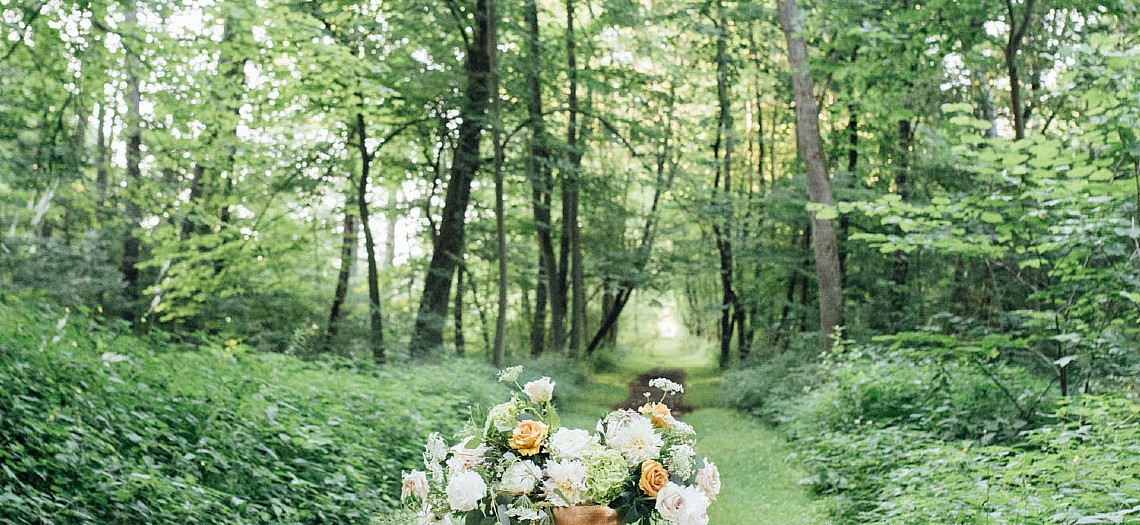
518,466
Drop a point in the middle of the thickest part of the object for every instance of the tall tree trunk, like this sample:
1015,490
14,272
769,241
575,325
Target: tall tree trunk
132,246
570,192
1017,30
538,172
427,335
828,276
375,316
347,257
500,227
852,165
101,159
722,227
900,266
391,220
457,313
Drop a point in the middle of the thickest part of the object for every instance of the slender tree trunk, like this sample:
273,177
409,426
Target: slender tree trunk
1017,30
900,266
538,172
852,165
347,257
391,220
500,227
101,160
810,146
132,247
427,335
375,316
570,228
730,307
457,313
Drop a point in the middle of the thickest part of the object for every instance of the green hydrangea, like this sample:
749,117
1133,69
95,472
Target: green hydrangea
606,473
501,417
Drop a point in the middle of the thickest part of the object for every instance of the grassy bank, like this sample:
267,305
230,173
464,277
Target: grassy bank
99,426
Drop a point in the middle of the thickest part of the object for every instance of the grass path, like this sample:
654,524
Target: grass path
758,477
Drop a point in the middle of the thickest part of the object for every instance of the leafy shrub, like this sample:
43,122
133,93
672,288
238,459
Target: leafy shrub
897,438
101,427
770,389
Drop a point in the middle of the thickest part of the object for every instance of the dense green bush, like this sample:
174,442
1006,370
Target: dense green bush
770,389
897,438
101,427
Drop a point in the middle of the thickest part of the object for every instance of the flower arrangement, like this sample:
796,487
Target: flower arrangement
516,465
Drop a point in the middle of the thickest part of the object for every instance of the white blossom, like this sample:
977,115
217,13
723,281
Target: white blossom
666,385
510,374
569,443
565,483
683,505
540,390
465,490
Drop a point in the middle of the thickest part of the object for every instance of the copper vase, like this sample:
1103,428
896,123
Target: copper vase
587,515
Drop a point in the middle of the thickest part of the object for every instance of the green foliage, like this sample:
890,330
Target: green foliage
914,433
102,427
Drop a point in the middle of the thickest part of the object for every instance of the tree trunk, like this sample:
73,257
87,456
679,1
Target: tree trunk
347,257
1012,48
571,240
900,266
457,313
500,227
730,307
427,335
852,165
810,147
375,317
538,172
101,160
132,247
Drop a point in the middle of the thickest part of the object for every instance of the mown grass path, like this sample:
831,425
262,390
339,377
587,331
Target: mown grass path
759,475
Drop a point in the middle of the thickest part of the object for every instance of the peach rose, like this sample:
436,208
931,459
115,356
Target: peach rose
528,437
660,413
654,477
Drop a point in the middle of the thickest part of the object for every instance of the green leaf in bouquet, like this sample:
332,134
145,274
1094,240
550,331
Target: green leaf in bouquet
473,443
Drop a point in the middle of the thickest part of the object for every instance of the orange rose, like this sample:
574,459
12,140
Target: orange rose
660,412
528,437
654,477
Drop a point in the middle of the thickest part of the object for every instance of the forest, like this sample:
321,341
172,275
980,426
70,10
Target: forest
253,251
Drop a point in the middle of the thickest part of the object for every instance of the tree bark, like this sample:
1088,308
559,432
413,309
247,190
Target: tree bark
457,313
427,336
500,227
900,266
828,276
375,316
347,257
538,172
722,227
132,247
1017,30
570,228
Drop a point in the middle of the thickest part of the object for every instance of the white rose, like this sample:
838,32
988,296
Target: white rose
565,483
464,491
683,505
521,477
540,390
415,484
708,479
465,458
569,443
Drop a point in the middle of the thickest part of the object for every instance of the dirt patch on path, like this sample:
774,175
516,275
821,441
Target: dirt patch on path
640,386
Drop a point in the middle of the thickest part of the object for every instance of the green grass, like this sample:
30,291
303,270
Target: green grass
758,480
